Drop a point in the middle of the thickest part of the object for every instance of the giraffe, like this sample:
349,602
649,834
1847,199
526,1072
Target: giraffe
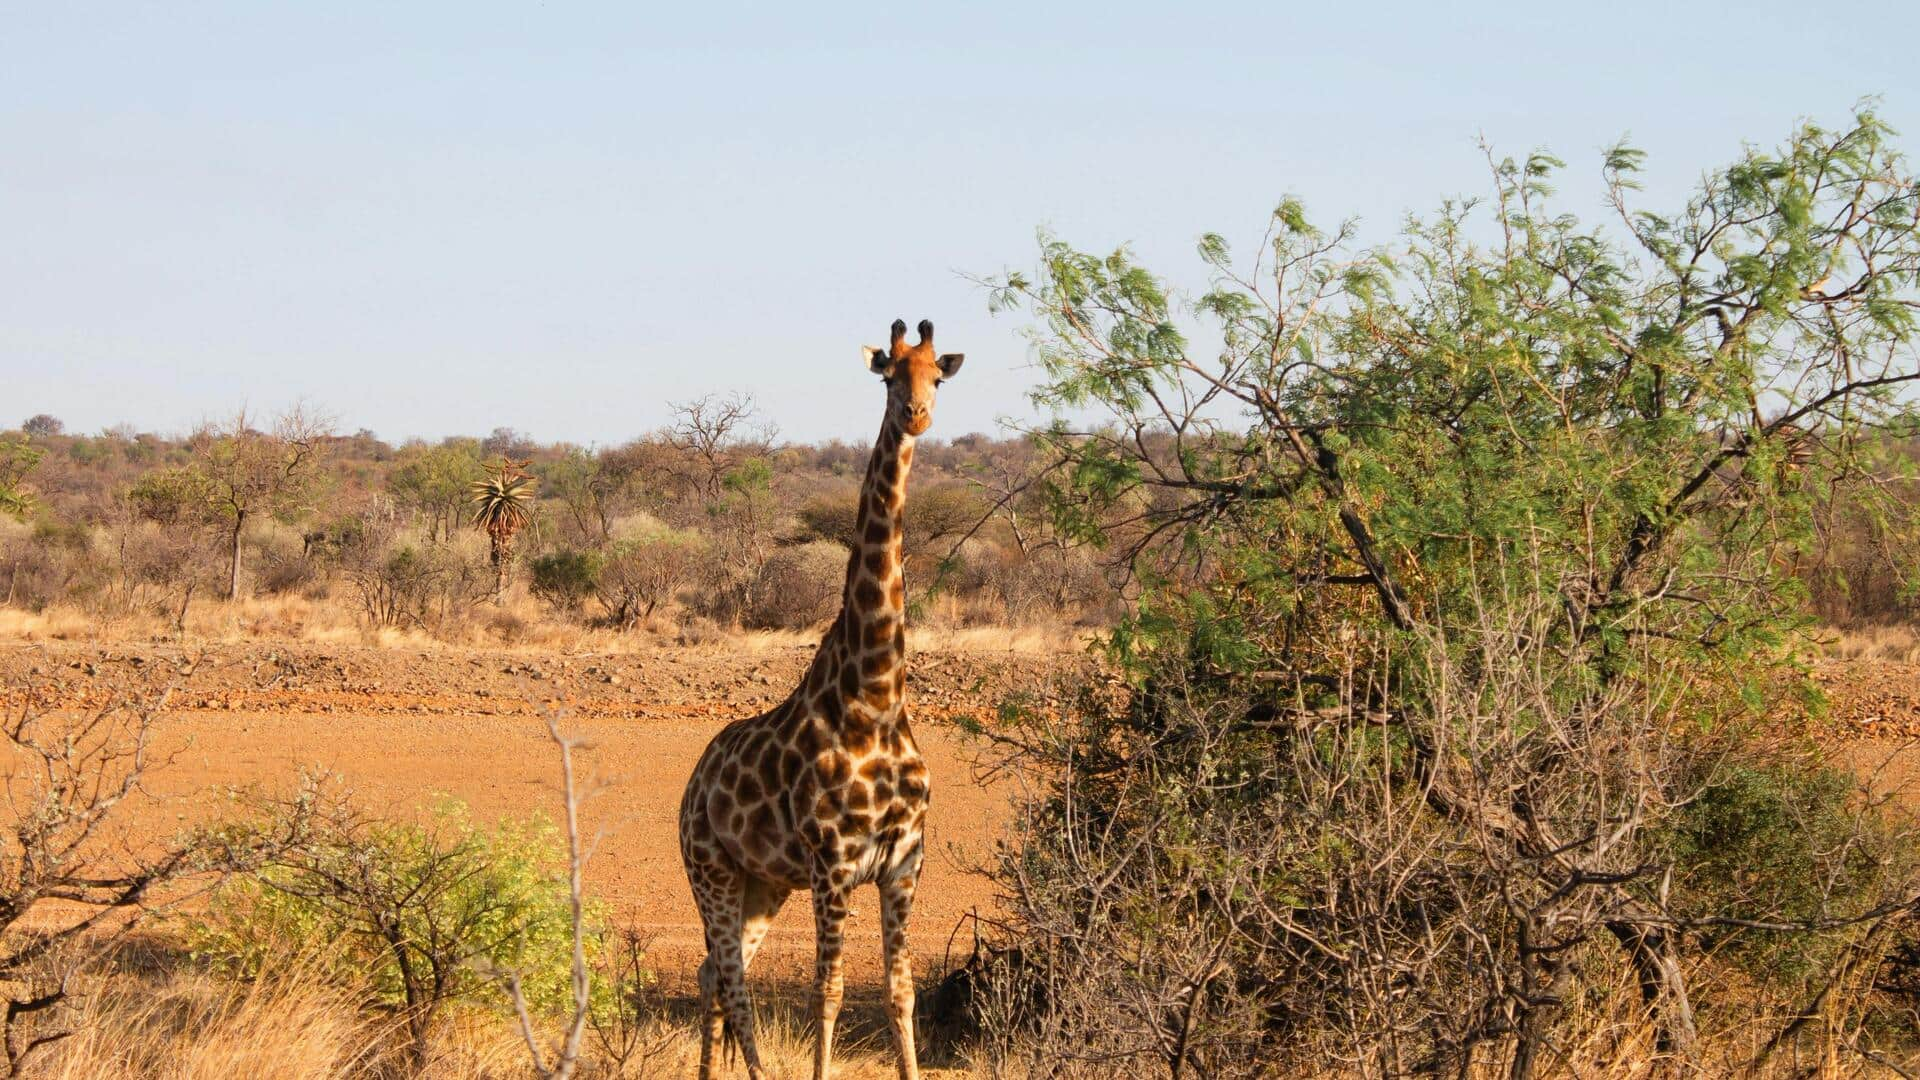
827,791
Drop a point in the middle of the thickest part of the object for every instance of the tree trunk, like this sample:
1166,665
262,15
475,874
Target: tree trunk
502,565
180,619
233,565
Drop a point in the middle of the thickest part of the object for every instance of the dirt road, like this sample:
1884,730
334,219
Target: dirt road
403,725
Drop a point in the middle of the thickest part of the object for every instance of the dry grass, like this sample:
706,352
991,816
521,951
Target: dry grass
1895,643
291,1024
294,1024
519,625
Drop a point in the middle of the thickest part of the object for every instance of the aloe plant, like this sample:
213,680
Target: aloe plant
503,505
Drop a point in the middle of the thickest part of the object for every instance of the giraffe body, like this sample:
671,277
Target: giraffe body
826,792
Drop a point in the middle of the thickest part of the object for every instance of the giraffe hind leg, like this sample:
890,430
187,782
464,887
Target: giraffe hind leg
737,911
726,1010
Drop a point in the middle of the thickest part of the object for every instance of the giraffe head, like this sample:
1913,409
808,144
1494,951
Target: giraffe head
911,372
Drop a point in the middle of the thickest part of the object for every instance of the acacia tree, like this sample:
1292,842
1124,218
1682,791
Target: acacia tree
715,436
1465,572
246,472
599,487
434,481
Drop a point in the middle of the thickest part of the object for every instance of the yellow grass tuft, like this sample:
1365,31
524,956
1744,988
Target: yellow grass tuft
294,1023
196,1027
1898,644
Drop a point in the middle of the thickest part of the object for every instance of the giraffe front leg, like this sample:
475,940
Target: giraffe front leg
829,917
896,906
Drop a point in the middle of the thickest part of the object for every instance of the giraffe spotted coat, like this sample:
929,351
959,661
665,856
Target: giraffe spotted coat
827,791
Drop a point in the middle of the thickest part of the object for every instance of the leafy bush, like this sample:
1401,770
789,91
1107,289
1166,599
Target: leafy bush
428,912
638,574
423,587
1785,841
1447,651
565,578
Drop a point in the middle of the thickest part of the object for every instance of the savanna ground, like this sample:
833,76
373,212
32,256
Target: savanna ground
405,720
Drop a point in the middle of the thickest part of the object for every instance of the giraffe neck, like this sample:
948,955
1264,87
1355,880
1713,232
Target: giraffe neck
861,660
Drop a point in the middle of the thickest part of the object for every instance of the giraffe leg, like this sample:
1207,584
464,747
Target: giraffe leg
829,914
721,894
713,1014
762,903
896,905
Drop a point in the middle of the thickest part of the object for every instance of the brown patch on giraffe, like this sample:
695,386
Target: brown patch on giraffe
858,741
750,788
832,769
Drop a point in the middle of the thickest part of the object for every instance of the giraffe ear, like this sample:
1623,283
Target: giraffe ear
950,364
877,359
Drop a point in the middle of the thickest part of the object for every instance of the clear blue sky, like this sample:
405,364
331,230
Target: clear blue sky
431,218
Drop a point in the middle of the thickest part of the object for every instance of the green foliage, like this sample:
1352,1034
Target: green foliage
434,482
426,911
1488,537
175,496
565,578
18,457
1784,838
754,475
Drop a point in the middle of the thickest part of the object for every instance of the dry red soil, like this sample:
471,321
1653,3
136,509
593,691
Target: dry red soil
401,725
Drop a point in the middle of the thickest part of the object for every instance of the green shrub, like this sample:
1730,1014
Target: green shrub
565,578
427,912
1784,842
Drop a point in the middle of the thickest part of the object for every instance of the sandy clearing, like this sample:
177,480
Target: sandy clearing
401,727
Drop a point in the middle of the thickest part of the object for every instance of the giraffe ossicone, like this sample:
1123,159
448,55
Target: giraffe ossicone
827,791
